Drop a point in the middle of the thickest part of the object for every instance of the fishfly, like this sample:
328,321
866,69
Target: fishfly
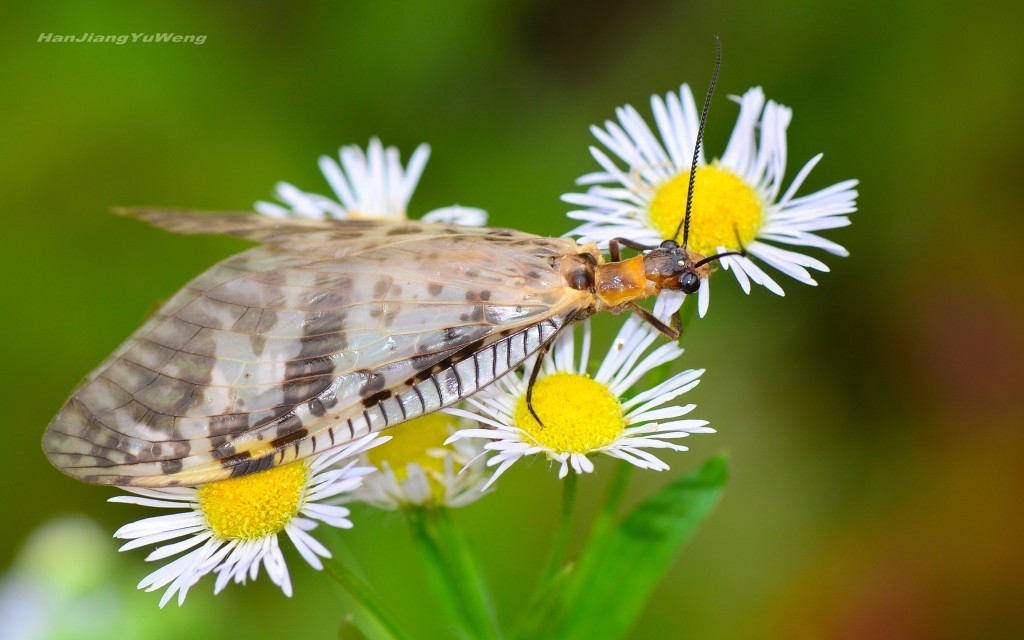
330,330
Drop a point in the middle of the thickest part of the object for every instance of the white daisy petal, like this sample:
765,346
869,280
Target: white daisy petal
338,182
366,184
413,171
176,548
778,260
430,466
308,547
704,297
664,392
756,274
731,263
148,502
741,151
465,216
236,557
620,198
569,438
668,303
502,468
162,536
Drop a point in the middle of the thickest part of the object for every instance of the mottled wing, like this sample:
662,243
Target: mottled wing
329,332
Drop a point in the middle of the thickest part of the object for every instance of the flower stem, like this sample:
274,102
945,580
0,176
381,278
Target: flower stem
454,572
367,600
544,598
616,491
561,541
548,600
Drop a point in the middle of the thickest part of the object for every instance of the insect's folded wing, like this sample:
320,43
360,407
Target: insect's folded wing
324,237
274,353
245,225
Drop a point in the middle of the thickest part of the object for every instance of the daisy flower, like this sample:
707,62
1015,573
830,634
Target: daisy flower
738,199
232,526
369,184
417,468
584,415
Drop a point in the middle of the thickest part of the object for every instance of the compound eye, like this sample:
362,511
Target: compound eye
689,282
669,244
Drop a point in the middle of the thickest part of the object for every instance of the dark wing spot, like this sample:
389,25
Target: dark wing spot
316,407
324,322
435,289
257,343
275,277
333,281
232,460
380,288
325,300
170,466
376,398
284,441
228,424
430,365
374,382
405,230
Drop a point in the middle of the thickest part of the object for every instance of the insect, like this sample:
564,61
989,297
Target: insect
330,330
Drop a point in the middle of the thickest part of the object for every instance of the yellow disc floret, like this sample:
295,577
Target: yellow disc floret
725,211
579,413
420,441
255,505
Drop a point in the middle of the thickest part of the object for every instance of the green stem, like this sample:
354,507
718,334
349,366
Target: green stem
434,562
556,570
601,532
454,572
469,574
616,492
366,598
561,540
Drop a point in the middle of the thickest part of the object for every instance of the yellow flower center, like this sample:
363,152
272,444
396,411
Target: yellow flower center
579,413
255,505
420,441
724,207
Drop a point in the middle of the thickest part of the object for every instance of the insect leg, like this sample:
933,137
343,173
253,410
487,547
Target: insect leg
613,247
543,351
671,332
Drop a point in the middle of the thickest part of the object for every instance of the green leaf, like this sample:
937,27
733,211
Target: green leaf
622,564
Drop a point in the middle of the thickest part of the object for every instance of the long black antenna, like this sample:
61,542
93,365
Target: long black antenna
684,224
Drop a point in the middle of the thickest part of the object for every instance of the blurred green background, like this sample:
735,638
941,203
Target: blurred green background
873,422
